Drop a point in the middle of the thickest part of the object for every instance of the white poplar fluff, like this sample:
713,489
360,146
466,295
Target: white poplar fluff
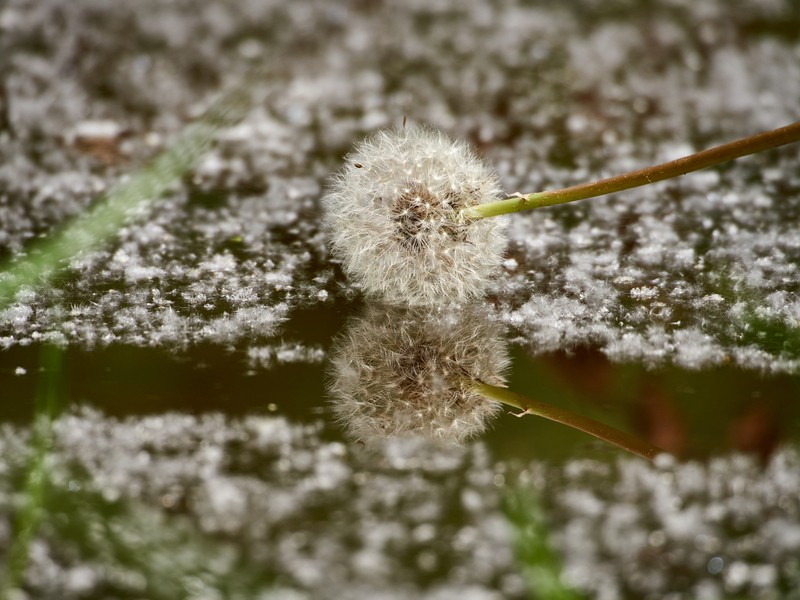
409,371
392,216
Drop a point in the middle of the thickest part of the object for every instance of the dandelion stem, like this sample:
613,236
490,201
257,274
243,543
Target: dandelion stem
594,428
681,166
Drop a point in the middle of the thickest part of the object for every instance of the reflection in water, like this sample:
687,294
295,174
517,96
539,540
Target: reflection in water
594,428
400,371
439,374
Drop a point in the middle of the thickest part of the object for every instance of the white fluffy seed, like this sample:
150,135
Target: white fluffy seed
409,371
392,218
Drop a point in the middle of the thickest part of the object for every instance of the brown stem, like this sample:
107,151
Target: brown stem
674,168
594,428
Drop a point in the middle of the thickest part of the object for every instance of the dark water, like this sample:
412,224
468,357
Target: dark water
442,506
691,414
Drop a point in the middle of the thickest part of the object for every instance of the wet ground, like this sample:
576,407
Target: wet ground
184,441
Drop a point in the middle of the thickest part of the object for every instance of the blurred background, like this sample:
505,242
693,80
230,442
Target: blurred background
179,442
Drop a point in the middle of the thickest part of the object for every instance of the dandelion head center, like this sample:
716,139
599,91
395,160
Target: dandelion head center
420,214
425,373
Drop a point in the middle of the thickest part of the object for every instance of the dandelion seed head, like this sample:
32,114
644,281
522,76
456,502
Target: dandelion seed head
409,371
392,216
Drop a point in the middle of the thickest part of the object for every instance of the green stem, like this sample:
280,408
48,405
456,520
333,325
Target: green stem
49,397
681,166
594,428
126,199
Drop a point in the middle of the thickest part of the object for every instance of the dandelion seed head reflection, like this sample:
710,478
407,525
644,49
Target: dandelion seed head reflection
407,371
